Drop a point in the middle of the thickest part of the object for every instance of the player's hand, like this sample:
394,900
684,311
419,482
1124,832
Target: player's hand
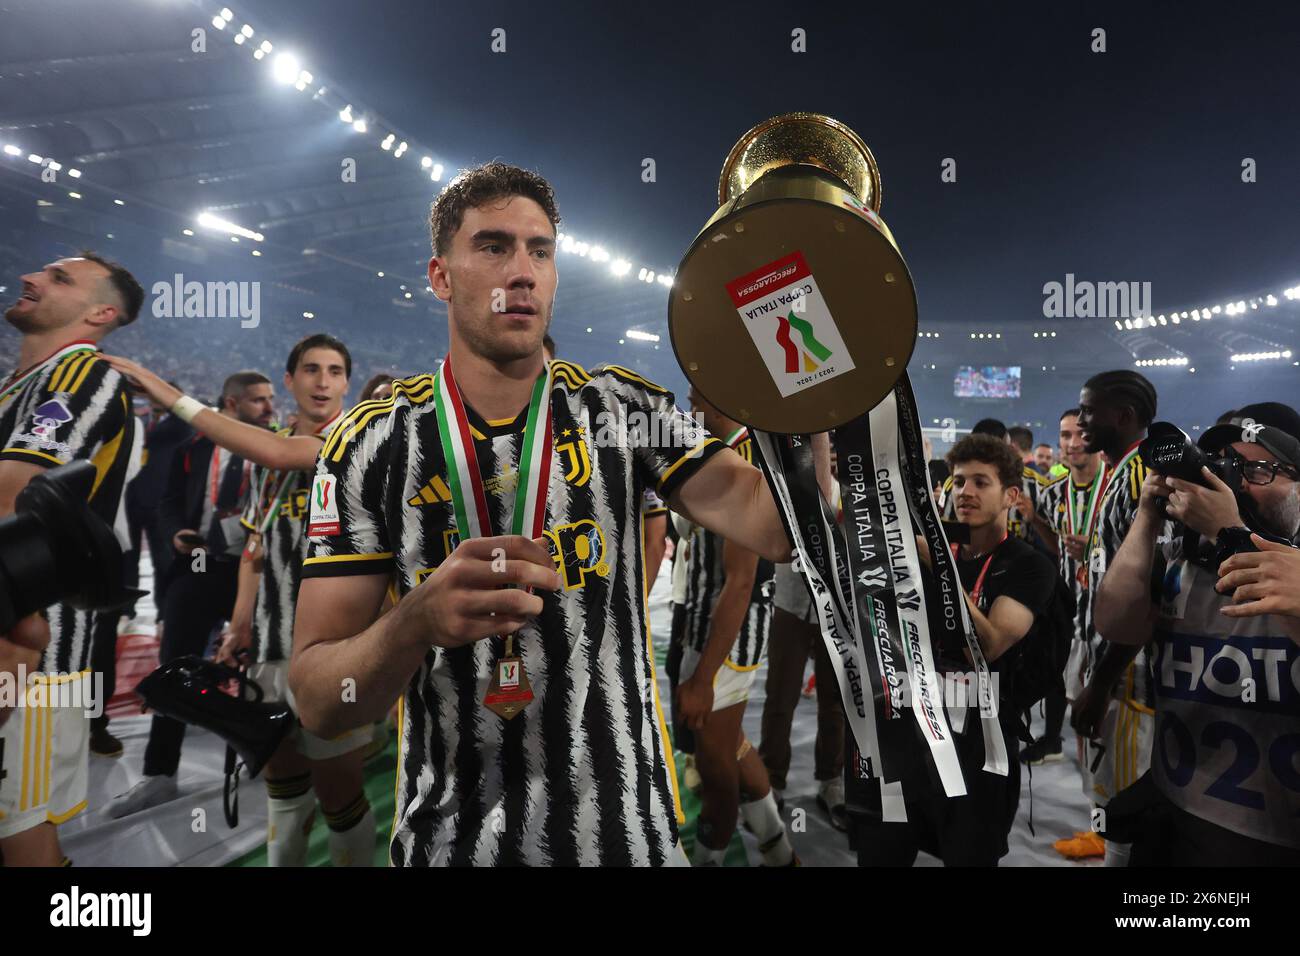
695,701
237,639
160,391
479,592
184,547
1266,581
1088,710
1207,510
1076,545
923,550
22,647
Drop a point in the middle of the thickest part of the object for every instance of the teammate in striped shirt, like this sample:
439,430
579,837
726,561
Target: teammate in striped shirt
305,767
1113,713
728,616
1068,506
582,774
62,403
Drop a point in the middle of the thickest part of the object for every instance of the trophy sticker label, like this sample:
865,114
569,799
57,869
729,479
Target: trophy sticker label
792,328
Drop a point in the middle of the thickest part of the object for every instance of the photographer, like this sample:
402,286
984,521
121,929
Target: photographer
1223,788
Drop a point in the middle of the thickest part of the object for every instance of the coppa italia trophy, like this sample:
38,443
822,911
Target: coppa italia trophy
794,313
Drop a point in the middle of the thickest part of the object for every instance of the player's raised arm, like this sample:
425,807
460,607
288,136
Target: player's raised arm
282,453
730,497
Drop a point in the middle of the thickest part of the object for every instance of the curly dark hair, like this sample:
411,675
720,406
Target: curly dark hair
988,450
479,186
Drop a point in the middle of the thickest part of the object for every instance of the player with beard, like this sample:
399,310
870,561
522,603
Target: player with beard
728,617
1113,713
62,403
531,730
1223,788
305,767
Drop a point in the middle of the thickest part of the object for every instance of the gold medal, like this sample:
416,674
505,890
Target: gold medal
509,692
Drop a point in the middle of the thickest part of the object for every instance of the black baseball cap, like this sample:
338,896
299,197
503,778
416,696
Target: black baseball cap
1271,424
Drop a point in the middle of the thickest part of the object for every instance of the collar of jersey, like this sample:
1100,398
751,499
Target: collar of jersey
483,429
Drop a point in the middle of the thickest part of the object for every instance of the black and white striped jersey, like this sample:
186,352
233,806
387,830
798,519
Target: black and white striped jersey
1117,510
583,775
277,507
705,576
1054,504
73,405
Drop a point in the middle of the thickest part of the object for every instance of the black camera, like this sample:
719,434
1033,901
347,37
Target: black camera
1170,453
54,548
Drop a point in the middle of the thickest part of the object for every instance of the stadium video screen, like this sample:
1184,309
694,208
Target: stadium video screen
988,381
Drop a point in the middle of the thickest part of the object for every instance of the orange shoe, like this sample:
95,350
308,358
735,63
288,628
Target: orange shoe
1081,846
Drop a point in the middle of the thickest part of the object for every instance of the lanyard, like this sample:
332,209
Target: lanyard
18,379
269,515
736,437
979,581
216,476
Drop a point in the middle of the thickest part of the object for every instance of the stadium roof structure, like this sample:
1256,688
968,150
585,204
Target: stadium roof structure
218,155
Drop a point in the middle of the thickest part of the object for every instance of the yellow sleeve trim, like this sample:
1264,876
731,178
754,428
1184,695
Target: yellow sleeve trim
739,669
335,558
693,453
624,372
33,453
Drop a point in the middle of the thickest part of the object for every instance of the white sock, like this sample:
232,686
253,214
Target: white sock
765,821
352,834
288,822
1117,854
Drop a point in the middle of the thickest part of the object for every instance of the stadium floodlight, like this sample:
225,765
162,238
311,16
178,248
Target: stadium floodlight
620,267
74,195
219,23
641,336
55,166
226,14
437,172
118,202
12,150
239,40
187,232
345,114
401,149
387,142
359,126
286,68
266,46
209,221
35,159
598,254
426,163
667,282
247,31
257,252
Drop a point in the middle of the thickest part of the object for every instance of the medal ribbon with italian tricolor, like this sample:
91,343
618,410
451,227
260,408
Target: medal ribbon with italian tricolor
469,500
1094,498
508,691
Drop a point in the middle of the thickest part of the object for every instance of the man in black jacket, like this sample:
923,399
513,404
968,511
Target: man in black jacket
198,515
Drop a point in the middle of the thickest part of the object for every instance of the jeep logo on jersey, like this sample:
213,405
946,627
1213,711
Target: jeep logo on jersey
578,550
324,518
48,417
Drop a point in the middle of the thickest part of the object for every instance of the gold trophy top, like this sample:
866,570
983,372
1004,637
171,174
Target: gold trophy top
808,139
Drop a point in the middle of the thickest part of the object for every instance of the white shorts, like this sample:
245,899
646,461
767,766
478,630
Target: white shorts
273,678
730,685
1122,753
1076,668
44,754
